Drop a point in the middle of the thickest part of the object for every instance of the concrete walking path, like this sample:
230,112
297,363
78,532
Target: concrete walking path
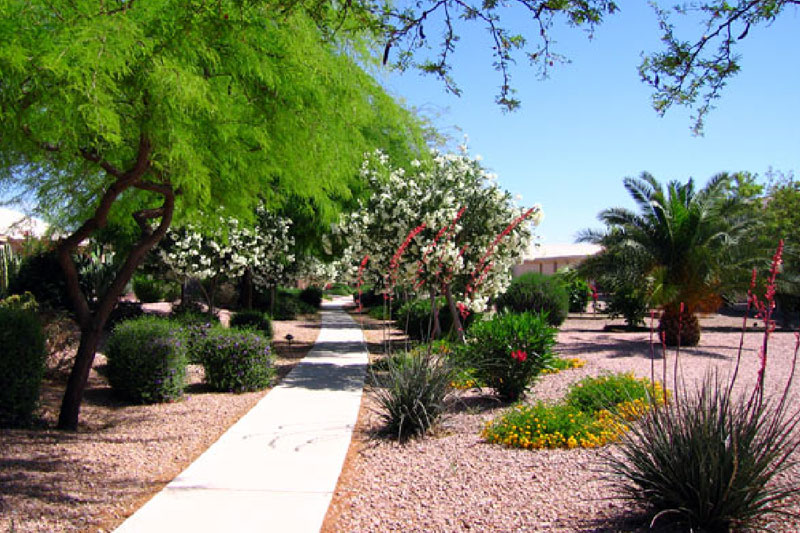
275,470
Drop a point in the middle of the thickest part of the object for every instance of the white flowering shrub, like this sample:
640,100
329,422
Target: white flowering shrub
229,249
465,231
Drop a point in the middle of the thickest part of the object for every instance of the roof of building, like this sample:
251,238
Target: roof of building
17,225
561,250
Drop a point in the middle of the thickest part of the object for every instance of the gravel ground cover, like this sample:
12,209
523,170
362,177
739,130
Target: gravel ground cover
453,481
93,479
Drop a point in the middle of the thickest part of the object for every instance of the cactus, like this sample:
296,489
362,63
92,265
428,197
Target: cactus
9,263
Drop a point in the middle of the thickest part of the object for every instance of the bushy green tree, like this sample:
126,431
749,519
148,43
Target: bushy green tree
169,107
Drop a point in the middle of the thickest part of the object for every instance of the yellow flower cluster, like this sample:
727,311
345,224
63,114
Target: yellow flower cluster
604,427
569,363
463,385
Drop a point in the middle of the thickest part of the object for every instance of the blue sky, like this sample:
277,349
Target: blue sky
591,124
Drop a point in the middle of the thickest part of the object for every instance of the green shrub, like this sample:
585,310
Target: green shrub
595,411
380,313
41,275
236,361
577,289
369,297
24,302
607,391
312,296
579,294
710,460
123,311
414,317
509,351
22,361
412,393
536,293
255,320
286,308
339,289
148,289
629,303
147,360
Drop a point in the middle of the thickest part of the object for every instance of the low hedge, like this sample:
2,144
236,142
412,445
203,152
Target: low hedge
22,363
147,360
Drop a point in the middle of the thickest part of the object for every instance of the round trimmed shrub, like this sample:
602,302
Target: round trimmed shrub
147,289
579,294
22,362
236,361
255,320
536,293
311,295
147,360
509,351
629,303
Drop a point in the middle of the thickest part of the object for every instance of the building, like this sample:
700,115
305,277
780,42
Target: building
549,258
15,227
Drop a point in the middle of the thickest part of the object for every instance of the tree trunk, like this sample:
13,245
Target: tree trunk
451,303
273,294
435,330
92,321
78,377
247,289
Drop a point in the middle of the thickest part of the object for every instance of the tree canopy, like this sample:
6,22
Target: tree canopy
166,107
693,72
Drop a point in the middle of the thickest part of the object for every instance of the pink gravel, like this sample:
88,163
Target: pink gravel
453,481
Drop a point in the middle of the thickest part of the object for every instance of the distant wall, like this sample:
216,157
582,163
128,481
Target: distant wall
546,265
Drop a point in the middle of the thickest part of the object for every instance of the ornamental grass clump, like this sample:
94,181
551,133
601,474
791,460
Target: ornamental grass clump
412,393
236,361
147,360
713,458
509,351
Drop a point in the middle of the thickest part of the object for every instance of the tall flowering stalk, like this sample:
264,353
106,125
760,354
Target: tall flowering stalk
391,279
361,267
448,232
593,287
764,310
394,264
484,266
734,450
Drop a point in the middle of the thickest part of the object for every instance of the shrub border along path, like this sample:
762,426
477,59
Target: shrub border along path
278,466
123,454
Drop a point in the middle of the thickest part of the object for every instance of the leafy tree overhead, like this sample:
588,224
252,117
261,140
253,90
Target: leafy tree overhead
683,239
692,72
169,107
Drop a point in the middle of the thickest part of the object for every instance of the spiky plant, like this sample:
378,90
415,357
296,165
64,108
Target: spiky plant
683,240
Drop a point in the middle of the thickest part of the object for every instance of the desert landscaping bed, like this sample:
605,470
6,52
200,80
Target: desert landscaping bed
454,481
91,480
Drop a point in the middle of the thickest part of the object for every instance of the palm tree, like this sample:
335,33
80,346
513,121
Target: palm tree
686,240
